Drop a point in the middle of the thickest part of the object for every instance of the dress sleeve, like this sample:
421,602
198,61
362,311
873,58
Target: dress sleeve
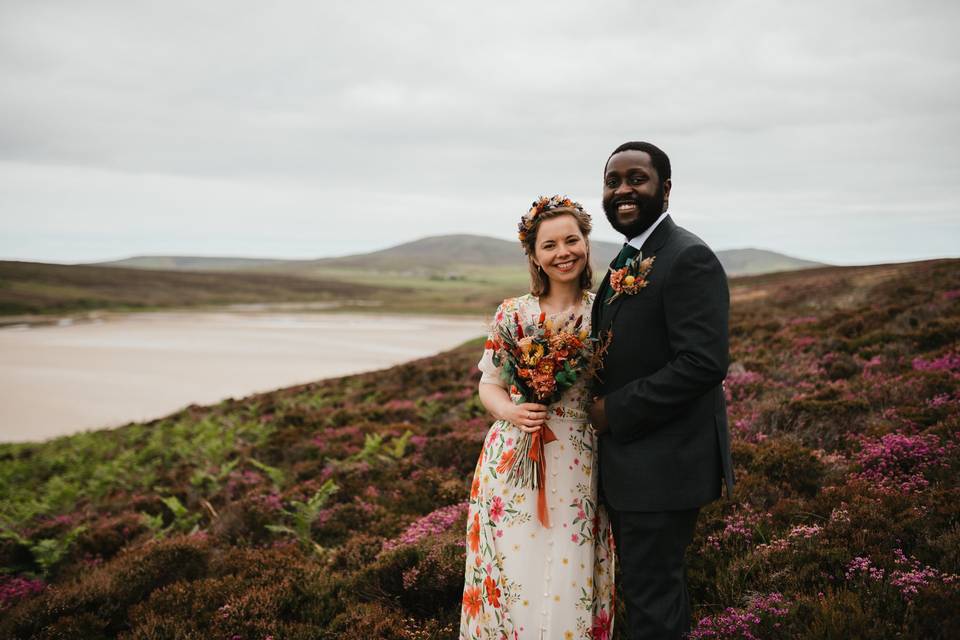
491,372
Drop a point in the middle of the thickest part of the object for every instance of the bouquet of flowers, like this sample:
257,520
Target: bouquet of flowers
540,360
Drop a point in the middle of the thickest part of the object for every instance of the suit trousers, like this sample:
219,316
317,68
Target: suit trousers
650,547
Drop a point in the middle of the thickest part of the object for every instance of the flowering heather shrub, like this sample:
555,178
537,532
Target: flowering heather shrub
140,571
458,450
432,524
98,601
790,465
107,537
436,580
357,552
872,368
897,461
803,343
418,442
840,366
820,417
949,362
14,589
423,488
375,620
243,521
863,566
239,482
761,618
910,576
338,523
400,405
740,529
796,534
742,385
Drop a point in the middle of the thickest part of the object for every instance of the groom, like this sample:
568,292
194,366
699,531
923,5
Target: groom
660,410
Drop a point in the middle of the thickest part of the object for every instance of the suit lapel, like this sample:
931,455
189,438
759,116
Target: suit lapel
659,237
650,246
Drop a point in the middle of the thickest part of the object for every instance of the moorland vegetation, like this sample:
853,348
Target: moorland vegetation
337,508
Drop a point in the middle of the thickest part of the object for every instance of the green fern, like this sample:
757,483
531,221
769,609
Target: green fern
276,476
48,552
302,515
399,445
154,523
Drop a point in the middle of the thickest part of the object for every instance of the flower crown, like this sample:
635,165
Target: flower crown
543,205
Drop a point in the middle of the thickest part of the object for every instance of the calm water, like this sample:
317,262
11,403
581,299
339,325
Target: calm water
57,380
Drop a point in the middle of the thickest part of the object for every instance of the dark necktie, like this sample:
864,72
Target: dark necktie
627,252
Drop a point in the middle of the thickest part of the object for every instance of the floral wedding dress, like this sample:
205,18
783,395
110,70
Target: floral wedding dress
522,579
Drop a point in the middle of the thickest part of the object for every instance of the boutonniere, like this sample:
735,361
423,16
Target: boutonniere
631,278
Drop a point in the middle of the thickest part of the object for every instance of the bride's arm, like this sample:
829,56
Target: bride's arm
528,416
493,389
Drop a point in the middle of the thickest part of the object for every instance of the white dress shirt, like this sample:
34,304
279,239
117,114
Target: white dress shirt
637,241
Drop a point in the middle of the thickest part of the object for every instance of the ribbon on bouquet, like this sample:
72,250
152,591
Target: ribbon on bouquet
538,455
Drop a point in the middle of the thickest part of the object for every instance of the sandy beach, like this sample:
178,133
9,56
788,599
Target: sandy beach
58,380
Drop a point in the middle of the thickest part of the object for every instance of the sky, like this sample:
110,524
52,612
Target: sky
824,130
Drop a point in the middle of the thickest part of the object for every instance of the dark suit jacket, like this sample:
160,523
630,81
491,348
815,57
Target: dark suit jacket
668,446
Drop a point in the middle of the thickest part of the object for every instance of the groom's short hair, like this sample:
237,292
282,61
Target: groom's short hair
659,159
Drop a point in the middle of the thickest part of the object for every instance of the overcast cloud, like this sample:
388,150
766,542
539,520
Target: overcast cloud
828,131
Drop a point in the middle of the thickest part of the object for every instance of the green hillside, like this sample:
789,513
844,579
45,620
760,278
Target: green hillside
38,288
191,263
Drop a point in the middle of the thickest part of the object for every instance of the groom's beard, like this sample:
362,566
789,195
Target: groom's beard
649,209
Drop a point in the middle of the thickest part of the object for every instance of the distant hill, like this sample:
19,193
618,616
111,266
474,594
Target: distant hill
433,253
190,263
736,262
742,262
446,253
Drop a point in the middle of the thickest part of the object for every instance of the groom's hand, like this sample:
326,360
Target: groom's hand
598,415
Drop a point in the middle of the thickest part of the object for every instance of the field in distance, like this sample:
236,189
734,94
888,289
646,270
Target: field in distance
448,257
442,274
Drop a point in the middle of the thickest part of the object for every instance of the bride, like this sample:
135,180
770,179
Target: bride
540,560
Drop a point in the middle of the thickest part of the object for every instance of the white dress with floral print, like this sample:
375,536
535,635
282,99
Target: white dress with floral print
523,580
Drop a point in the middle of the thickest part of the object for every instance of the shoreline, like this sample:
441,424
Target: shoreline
371,307
111,370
